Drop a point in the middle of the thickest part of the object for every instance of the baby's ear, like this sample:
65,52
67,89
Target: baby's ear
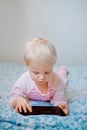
27,64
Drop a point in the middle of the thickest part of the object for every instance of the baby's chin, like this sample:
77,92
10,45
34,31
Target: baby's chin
41,83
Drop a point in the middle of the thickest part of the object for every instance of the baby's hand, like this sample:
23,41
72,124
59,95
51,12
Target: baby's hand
22,104
64,107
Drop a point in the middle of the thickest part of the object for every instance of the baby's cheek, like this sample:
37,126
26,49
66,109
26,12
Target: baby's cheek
34,77
48,77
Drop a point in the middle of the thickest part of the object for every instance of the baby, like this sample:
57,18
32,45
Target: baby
40,82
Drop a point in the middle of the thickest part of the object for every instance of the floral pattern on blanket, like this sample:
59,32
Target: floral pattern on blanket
76,93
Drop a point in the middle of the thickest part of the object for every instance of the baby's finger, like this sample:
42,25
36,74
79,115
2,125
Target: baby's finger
18,108
63,106
66,111
24,107
29,107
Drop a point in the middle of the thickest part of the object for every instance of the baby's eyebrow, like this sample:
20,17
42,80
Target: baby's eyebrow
35,71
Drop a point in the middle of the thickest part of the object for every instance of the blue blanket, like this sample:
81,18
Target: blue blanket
76,93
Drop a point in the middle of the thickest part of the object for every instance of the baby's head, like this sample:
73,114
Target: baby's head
41,51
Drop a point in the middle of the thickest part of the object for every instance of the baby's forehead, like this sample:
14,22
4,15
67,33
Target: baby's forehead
40,67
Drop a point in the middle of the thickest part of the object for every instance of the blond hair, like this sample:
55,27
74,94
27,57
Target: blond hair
40,50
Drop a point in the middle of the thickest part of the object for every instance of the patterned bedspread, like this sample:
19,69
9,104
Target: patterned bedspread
76,92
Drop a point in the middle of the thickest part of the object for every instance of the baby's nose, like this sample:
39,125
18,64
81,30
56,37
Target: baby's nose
42,76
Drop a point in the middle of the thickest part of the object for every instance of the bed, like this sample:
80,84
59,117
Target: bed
76,93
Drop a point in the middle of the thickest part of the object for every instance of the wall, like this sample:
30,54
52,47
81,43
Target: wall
12,30
64,23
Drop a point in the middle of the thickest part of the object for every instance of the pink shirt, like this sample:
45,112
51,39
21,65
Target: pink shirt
26,87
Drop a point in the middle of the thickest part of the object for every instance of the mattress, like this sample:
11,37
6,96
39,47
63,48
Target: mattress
76,93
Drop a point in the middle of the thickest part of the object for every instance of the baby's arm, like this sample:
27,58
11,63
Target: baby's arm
18,97
59,99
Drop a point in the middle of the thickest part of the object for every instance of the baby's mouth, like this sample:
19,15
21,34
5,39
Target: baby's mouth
41,82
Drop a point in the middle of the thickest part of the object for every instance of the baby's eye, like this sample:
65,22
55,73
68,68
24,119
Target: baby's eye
36,72
47,72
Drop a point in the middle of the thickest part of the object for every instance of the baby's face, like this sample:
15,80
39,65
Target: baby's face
40,74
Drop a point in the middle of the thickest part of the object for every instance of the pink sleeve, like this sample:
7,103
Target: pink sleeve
20,88
59,96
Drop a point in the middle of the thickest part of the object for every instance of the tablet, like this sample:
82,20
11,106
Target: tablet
48,110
